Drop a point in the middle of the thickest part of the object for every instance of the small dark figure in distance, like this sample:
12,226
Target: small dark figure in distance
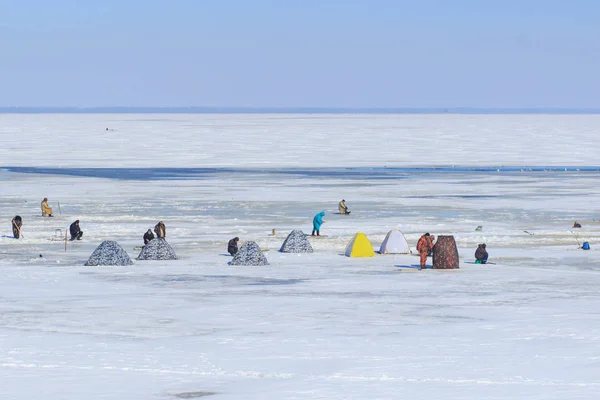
232,246
161,230
343,208
317,222
76,232
46,209
424,247
576,225
17,223
481,254
148,236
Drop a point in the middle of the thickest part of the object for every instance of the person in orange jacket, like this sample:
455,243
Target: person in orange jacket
424,247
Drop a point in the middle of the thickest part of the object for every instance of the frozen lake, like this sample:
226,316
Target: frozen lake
310,326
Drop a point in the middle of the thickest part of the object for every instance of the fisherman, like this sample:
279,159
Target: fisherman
76,232
576,225
46,210
232,246
481,254
148,236
17,223
424,247
161,230
317,222
343,208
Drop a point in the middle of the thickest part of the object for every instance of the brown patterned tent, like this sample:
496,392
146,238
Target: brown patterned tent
445,253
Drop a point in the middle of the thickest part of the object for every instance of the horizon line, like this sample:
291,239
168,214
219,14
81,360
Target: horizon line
290,110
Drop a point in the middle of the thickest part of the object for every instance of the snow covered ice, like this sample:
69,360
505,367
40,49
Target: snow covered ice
309,325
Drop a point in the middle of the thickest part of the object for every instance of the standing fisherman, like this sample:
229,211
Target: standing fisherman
17,223
424,247
161,230
317,222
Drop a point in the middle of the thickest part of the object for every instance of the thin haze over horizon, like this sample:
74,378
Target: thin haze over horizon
318,54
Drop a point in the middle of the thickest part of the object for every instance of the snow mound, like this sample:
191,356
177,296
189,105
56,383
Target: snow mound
157,249
296,242
109,253
249,254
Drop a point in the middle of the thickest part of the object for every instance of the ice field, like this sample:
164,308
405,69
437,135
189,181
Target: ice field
308,326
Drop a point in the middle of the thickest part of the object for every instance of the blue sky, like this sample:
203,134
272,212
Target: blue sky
288,53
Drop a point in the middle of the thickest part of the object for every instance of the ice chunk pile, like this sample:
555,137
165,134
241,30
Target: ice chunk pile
296,242
157,249
109,253
249,254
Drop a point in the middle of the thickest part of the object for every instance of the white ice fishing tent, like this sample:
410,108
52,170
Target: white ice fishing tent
394,243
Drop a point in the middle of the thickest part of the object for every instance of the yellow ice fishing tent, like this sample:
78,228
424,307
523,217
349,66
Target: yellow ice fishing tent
359,246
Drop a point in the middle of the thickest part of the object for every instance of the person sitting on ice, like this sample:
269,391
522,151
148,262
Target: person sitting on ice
232,246
76,232
161,230
317,222
481,254
576,225
17,223
343,208
148,236
46,210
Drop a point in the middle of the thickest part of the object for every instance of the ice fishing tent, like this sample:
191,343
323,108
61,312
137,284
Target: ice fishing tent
359,246
249,254
394,243
296,242
445,253
109,253
157,249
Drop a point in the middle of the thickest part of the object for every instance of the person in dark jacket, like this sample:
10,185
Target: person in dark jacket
148,236
160,229
576,225
232,246
76,232
17,223
481,254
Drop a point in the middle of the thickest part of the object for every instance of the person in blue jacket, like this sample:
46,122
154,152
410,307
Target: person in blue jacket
317,222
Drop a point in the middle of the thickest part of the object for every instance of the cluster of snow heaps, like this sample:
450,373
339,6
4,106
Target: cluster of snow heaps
157,249
249,254
109,253
296,242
